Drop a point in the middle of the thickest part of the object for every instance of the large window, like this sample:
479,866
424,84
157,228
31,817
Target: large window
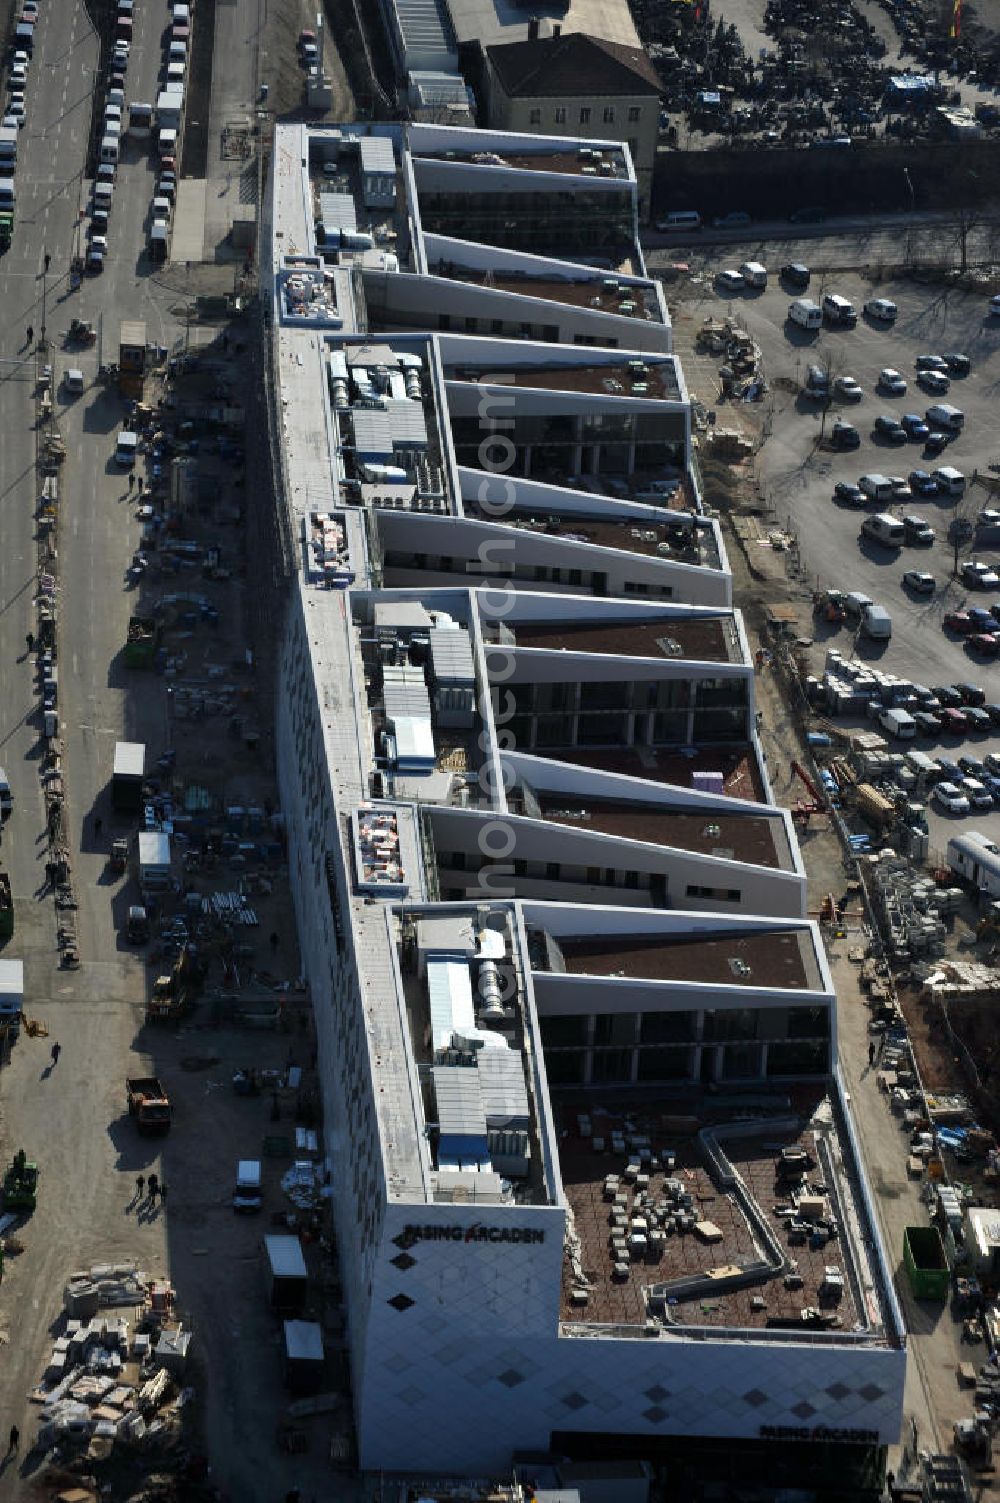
563,1031
798,1059
566,1067
731,1023
615,1028
665,1064
611,1065
667,1027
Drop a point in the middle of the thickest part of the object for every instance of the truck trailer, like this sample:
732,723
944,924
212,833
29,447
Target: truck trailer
127,776
926,1263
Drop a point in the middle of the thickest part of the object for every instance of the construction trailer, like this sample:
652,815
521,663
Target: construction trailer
127,775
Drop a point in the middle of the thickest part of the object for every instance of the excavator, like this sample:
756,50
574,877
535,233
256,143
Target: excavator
174,995
829,605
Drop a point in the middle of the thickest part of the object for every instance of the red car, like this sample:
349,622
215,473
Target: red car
987,644
953,722
959,621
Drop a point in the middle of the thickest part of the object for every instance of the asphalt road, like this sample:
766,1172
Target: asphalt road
797,477
67,1115
851,243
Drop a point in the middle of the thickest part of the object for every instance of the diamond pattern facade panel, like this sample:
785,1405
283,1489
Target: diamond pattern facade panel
476,1368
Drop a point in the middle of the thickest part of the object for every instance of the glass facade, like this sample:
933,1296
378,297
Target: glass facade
522,220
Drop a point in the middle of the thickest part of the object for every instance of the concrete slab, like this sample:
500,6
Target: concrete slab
188,239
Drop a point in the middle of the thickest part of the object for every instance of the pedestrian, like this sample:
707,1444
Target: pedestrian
131,479
29,336
56,1051
30,641
140,1185
47,262
154,1185
871,1053
14,1441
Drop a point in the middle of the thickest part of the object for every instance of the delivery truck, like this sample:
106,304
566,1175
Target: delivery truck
149,1104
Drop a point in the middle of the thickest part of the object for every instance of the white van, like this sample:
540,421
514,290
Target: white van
681,219
109,149
876,623
806,313
73,382
247,1194
180,15
950,480
166,142
8,193
754,273
899,724
944,415
6,797
883,528
876,487
177,52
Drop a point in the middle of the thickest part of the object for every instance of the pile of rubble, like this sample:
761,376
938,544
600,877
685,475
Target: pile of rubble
114,1381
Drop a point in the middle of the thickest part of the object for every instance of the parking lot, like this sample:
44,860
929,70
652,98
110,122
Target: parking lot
797,472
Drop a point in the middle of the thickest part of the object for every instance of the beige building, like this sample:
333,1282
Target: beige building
581,86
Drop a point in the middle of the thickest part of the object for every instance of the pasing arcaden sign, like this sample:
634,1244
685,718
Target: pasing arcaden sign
474,1233
819,1432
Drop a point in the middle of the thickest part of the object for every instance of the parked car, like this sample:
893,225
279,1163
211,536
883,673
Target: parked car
981,618
890,429
796,274
848,389
978,717
934,382
993,711
954,722
914,425
958,365
958,621
950,798
979,576
845,436
881,308
919,582
729,280
948,696
935,443
971,766
971,694
892,382
978,795
928,724
922,483
731,221
918,532
851,494
930,363
949,770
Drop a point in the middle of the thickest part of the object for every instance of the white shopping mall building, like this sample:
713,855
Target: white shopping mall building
593,1170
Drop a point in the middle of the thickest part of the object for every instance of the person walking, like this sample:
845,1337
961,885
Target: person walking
30,640
154,1185
140,1185
56,1051
131,480
29,336
871,1053
47,262
14,1440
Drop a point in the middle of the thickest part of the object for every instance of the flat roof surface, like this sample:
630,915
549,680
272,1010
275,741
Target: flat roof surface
756,838
674,543
740,774
586,293
489,21
709,639
774,958
670,1122
656,382
567,162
